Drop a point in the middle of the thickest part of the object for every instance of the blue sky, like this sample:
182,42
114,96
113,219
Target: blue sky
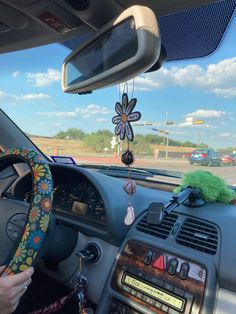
31,95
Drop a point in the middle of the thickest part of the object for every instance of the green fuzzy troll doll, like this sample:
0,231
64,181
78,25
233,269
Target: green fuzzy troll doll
212,188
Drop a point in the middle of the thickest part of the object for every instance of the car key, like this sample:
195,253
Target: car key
80,285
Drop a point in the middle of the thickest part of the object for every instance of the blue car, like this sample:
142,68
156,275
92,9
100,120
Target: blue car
205,157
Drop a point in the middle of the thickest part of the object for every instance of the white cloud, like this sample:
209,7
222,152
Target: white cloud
14,99
225,134
141,83
29,97
102,120
41,79
225,92
59,114
206,114
183,124
2,94
188,124
84,112
91,109
15,74
218,78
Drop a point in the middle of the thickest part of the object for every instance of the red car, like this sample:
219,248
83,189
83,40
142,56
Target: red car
228,160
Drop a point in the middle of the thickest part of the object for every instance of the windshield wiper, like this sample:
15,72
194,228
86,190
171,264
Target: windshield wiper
142,171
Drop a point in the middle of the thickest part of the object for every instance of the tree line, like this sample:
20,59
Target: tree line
101,139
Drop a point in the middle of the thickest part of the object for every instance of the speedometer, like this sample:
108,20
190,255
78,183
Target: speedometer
82,199
62,201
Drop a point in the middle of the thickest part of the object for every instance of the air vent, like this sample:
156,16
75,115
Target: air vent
198,235
161,231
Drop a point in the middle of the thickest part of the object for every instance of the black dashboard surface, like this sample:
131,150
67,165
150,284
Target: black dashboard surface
106,205
93,202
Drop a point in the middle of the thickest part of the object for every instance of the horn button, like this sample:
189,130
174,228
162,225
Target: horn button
15,226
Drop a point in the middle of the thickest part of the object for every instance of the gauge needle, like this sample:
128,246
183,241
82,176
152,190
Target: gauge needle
74,197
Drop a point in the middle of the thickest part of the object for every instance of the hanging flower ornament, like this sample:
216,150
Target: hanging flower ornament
124,129
125,117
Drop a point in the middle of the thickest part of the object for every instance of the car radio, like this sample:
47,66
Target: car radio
158,280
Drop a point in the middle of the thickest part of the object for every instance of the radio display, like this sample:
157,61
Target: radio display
154,292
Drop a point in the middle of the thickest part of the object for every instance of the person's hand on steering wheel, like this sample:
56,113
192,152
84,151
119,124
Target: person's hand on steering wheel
12,288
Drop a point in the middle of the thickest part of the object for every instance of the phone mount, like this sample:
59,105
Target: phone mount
188,196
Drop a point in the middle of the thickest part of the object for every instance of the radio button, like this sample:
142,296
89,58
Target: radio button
164,308
183,273
173,264
126,288
156,281
150,301
158,304
159,263
133,292
179,291
144,298
168,286
148,257
139,295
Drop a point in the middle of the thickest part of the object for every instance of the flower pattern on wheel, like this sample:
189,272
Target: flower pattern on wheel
39,212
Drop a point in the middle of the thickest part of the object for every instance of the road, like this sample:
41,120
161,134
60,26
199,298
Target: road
228,173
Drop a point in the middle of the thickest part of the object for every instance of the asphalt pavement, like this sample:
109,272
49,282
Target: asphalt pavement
228,173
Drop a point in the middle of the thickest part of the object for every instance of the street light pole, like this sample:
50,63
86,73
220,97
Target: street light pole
167,144
167,137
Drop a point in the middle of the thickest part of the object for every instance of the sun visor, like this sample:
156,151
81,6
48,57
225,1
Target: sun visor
11,18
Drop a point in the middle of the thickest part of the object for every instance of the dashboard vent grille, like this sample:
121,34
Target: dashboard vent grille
198,235
161,231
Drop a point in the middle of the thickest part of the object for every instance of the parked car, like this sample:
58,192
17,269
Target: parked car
205,157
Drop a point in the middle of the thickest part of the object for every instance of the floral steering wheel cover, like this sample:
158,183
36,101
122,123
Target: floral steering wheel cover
39,211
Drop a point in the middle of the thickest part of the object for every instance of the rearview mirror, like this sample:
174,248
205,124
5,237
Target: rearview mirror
122,49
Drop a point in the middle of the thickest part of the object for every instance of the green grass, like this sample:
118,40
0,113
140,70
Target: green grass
50,146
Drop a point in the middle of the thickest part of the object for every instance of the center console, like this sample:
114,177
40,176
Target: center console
157,281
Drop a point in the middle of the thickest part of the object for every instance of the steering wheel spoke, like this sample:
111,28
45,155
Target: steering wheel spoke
14,216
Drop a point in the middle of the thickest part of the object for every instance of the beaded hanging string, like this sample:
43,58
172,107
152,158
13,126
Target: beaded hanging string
130,186
123,129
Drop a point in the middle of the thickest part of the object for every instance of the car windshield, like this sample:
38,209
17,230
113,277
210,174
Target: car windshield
186,105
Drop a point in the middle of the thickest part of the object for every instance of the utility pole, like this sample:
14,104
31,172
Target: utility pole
167,144
188,121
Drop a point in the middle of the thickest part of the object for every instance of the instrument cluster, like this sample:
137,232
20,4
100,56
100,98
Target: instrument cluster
80,198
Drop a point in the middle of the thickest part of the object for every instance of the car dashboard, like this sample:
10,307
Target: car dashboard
184,265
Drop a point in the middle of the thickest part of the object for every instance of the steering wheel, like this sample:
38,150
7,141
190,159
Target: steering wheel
22,226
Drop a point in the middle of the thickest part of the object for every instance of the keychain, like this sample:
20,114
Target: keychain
80,283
